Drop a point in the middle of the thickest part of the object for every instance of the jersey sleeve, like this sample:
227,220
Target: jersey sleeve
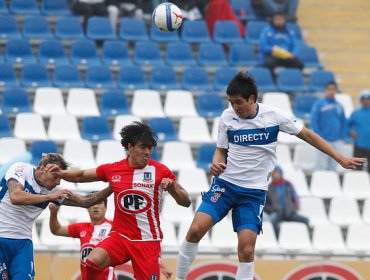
288,124
167,173
18,172
101,172
222,139
75,229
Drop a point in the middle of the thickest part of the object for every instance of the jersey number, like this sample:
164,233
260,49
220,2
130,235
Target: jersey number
215,196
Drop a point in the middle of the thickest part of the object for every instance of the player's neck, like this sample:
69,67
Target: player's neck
97,222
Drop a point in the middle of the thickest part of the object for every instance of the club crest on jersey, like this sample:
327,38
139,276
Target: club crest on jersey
19,171
148,177
133,201
102,232
116,178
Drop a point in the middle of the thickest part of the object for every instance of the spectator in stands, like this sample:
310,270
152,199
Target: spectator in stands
282,201
328,121
192,9
278,46
359,127
267,8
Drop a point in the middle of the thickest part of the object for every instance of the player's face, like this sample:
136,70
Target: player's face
139,155
331,90
278,21
243,108
48,179
276,175
97,212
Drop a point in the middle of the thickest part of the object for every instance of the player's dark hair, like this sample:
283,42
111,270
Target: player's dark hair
331,83
242,84
105,199
138,132
53,158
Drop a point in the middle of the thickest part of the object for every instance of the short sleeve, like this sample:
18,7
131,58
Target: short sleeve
222,139
288,124
74,230
101,172
18,172
167,173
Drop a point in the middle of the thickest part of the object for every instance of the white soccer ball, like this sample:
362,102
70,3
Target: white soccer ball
167,17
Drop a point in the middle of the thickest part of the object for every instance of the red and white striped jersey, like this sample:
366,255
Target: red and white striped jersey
137,195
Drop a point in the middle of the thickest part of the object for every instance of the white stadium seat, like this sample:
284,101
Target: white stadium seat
280,100
109,151
294,237
11,148
194,180
170,241
358,239
179,103
53,241
224,237
299,181
79,153
356,184
284,157
120,121
346,101
344,211
314,209
173,212
49,101
267,241
328,239
366,211
81,102
147,104
194,130
63,128
177,155
305,157
214,132
29,126
204,245
325,184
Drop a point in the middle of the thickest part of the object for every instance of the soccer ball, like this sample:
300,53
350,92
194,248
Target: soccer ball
167,17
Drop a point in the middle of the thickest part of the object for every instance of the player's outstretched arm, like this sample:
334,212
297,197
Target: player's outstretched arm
55,227
176,191
218,162
75,176
315,140
88,200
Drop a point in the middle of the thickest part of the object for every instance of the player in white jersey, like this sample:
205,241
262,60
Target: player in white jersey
242,164
25,192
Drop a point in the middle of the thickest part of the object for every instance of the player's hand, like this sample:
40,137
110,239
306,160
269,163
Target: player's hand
53,208
166,272
60,194
217,168
53,168
167,184
351,162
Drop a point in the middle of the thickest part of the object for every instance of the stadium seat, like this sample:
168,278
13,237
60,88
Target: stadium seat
132,29
325,184
115,53
99,28
18,51
346,101
15,100
222,231
357,239
66,76
11,148
366,211
205,155
284,157
344,211
319,80
242,55
52,241
8,27
29,127
356,184
297,178
5,129
34,75
42,146
113,103
294,237
278,99
63,127
22,7
308,55
109,151
244,10
120,121
177,156
7,76
79,153
131,78
157,35
194,181
72,215
99,76
147,53
195,31
223,77
164,128
81,102
328,239
69,28
214,130
314,209
196,78
295,29
226,32
179,103
263,79
254,30
211,54
147,104
291,81
49,101
3,7
303,104
84,52
209,105
179,54
36,27
55,8
267,242
194,130
305,157
95,129
173,213
163,78
169,241
52,52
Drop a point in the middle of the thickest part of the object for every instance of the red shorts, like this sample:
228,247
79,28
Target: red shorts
144,255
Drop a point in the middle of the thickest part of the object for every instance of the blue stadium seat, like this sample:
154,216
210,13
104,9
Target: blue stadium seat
210,54
263,79
15,100
132,29
55,8
226,32
131,77
160,36
244,10
113,103
154,154
319,80
5,129
179,54
165,129
18,51
254,30
291,80
69,28
205,155
296,30
303,104
223,76
209,105
34,75
115,53
242,55
196,78
95,129
100,28
163,78
7,75
67,76
52,52
84,52
24,7
36,27
3,7
147,53
195,32
99,76
39,147
309,57
8,27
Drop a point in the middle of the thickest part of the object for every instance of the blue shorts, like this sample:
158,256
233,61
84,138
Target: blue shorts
247,204
16,259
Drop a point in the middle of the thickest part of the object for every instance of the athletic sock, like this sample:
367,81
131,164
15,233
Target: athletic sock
187,254
245,271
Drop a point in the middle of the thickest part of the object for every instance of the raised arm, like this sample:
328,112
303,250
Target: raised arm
88,200
76,176
218,162
176,191
55,227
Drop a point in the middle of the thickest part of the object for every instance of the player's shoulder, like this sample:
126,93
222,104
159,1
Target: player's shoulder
21,167
156,164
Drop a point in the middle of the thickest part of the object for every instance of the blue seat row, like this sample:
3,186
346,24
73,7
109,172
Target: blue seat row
30,7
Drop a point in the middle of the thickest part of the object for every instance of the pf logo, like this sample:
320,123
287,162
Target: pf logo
85,251
133,201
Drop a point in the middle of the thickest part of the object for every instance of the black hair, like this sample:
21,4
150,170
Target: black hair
105,199
138,132
331,83
53,158
242,84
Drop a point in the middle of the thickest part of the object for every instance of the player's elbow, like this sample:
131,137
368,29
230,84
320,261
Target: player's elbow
185,202
15,199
